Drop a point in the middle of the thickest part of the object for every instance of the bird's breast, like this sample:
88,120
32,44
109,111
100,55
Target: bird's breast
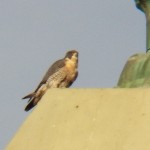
71,67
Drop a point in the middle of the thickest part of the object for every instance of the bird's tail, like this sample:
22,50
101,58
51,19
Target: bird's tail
29,95
31,104
33,100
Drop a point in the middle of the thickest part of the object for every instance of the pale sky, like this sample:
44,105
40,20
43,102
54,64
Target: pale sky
35,33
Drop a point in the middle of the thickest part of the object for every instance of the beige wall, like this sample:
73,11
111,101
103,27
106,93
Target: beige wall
87,119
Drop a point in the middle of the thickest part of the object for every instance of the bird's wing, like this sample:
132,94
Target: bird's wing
76,75
53,69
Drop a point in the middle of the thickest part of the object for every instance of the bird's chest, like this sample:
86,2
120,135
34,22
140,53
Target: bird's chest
71,68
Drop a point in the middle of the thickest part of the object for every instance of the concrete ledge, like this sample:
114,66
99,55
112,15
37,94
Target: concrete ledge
87,119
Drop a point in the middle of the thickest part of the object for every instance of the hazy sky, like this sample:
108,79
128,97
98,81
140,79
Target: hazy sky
35,33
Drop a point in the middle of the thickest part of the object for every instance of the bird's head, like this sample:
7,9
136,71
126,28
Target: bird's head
71,58
71,54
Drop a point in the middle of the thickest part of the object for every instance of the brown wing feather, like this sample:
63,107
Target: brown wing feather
54,68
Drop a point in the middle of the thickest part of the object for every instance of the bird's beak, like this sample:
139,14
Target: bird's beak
76,54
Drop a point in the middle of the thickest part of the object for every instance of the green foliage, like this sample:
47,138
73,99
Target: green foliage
136,72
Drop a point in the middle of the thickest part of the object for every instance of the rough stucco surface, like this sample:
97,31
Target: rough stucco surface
87,119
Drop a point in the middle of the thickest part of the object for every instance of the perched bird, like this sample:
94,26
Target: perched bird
60,75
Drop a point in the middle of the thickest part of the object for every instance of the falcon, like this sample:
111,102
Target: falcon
60,75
